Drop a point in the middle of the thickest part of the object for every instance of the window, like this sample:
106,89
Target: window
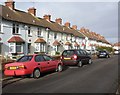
55,35
12,47
15,29
29,31
39,32
68,53
84,52
62,37
48,34
66,37
39,58
42,47
47,58
37,47
19,47
25,59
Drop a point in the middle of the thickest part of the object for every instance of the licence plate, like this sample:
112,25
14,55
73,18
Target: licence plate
13,68
67,58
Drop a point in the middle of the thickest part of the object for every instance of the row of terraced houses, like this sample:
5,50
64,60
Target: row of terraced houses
24,33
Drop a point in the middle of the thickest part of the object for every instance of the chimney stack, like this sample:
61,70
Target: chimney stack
67,24
47,17
32,11
74,27
10,4
58,20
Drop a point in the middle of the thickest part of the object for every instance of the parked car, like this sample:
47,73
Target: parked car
117,52
103,54
75,57
33,65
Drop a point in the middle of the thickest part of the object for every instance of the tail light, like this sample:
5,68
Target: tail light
22,67
74,57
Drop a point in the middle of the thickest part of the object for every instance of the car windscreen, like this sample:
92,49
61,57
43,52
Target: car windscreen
24,59
68,53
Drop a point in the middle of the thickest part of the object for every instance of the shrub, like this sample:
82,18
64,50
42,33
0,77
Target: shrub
109,49
57,53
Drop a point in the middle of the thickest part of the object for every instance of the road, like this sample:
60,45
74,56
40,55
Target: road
99,77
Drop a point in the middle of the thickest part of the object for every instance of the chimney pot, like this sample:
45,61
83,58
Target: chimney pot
74,27
10,4
32,11
58,20
67,24
47,17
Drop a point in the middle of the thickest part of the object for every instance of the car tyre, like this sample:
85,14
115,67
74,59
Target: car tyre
36,73
79,64
59,68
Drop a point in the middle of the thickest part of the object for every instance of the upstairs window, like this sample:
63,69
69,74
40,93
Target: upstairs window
39,32
48,35
15,29
29,31
66,37
55,35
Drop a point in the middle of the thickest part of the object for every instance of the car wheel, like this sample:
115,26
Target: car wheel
90,61
59,68
79,64
36,73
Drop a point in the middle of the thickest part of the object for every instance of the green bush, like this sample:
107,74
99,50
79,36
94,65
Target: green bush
109,49
57,53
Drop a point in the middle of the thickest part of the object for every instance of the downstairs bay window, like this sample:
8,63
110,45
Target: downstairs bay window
15,47
39,47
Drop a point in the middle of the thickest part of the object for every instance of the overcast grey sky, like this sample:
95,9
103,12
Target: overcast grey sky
100,17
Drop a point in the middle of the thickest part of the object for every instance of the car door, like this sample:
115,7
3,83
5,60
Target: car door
81,55
84,56
51,63
41,63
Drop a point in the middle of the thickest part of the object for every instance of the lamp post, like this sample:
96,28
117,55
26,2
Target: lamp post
47,29
26,44
85,42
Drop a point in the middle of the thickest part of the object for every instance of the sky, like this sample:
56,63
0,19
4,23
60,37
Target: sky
100,16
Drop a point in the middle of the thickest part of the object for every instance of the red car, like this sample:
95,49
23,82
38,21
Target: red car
33,65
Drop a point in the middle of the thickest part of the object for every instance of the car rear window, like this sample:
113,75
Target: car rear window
68,53
24,59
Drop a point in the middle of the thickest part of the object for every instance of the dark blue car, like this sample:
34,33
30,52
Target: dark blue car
103,54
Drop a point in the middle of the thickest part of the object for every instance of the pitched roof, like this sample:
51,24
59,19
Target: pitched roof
117,44
40,40
76,44
56,43
16,39
86,33
68,43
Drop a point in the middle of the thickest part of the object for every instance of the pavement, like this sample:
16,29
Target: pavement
99,77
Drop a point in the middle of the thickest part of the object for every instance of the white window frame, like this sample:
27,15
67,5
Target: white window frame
21,48
29,29
39,34
16,26
14,47
37,47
